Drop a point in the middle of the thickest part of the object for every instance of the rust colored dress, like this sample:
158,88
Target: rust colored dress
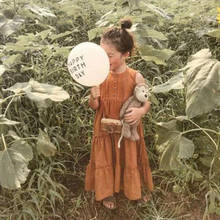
128,169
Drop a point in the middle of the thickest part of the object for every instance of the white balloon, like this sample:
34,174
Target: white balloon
88,64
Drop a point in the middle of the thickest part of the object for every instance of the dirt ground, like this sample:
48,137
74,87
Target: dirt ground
81,205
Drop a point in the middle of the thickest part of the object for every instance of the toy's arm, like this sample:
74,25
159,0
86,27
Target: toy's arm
145,108
125,106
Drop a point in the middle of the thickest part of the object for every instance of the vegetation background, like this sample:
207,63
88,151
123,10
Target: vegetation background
46,124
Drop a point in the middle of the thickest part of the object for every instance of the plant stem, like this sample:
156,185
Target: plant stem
4,143
199,129
204,131
12,96
215,144
8,106
28,138
14,6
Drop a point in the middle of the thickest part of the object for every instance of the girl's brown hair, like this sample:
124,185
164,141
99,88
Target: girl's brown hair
120,37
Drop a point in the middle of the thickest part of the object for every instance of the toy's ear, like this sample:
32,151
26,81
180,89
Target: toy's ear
138,86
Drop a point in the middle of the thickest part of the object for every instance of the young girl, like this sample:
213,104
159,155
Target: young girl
125,168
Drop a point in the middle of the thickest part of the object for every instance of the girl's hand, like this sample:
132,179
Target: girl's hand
95,92
133,115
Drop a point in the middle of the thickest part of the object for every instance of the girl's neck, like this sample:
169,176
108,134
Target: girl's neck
119,70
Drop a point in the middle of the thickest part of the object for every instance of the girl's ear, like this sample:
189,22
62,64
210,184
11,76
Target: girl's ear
126,55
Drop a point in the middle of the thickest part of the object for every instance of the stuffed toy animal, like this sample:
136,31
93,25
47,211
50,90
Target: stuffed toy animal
140,96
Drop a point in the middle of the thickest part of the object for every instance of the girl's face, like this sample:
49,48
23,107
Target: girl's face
116,58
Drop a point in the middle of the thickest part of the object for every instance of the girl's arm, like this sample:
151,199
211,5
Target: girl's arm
94,102
94,97
145,108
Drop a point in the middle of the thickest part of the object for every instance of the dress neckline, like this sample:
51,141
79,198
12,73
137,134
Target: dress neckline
119,74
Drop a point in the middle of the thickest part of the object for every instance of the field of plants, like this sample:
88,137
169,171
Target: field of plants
46,123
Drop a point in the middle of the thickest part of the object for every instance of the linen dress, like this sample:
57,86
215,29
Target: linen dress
128,169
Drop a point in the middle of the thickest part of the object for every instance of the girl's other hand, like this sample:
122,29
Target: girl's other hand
95,92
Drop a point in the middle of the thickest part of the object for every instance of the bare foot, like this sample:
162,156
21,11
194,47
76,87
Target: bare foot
145,199
109,202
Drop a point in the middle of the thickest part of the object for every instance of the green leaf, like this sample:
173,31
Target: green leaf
156,34
213,199
12,60
202,83
5,121
181,118
172,146
29,211
175,148
95,32
214,33
56,50
40,92
61,35
2,69
44,145
13,164
158,11
44,34
186,148
13,134
9,26
42,12
169,158
55,194
69,8
176,82
25,42
158,56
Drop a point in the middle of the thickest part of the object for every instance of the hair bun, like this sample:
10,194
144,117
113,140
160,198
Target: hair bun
126,24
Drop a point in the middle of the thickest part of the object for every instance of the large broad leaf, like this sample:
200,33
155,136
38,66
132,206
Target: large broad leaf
61,35
213,201
12,60
155,34
5,121
9,26
158,11
25,42
13,164
172,146
2,69
202,83
158,56
70,8
95,32
40,92
44,145
42,12
175,82
213,162
55,50
214,33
